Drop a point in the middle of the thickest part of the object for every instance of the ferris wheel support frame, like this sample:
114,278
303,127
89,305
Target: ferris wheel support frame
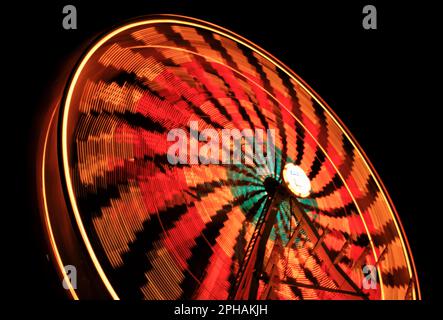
252,268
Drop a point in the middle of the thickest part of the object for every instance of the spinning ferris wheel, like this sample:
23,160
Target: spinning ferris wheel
135,226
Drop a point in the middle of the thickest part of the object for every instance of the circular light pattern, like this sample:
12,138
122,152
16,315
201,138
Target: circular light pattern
142,227
296,180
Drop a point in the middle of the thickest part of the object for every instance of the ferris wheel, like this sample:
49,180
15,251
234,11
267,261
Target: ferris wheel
307,219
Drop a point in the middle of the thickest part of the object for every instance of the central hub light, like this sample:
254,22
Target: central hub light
296,180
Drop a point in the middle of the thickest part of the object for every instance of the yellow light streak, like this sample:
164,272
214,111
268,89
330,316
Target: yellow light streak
47,219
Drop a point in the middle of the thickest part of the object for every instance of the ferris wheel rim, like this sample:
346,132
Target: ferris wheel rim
147,20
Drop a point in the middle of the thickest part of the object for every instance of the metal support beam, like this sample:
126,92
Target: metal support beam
261,249
342,251
322,250
247,280
293,283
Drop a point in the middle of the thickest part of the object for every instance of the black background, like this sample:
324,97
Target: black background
378,82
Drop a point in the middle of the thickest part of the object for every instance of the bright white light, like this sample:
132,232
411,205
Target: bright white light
296,180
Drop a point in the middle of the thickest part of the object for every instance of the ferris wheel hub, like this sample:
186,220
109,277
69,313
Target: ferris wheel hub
296,180
271,186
